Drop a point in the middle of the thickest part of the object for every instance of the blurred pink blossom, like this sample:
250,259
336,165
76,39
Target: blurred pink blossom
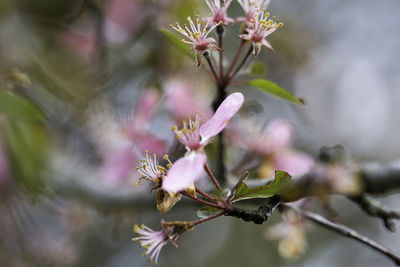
274,145
182,102
122,18
121,159
80,40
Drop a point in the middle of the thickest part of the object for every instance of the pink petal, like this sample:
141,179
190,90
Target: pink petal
152,143
224,113
277,136
184,172
146,106
267,44
122,18
183,103
293,162
118,166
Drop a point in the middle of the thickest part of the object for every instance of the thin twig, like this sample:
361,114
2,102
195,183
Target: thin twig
220,30
206,55
212,177
376,209
219,214
346,231
249,51
236,57
200,200
204,194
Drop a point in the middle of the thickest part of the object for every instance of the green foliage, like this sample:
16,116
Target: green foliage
258,68
17,108
264,191
177,42
207,211
275,90
27,144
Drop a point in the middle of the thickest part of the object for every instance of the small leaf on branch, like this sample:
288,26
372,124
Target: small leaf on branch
264,191
275,90
177,42
207,211
258,68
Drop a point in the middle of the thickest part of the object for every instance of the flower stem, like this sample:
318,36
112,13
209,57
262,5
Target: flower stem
212,177
231,76
220,31
206,55
200,200
204,194
219,214
235,59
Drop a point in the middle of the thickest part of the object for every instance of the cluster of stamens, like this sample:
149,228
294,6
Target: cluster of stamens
196,35
262,24
150,170
189,134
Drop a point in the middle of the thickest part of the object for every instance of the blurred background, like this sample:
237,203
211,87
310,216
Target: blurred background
86,86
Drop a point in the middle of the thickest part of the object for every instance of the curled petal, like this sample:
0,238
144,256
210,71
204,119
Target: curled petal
184,172
224,113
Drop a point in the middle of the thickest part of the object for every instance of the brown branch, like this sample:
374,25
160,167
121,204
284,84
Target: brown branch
212,177
376,209
345,231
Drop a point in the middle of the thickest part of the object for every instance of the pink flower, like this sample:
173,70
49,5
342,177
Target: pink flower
250,7
194,136
274,144
181,101
132,139
153,241
259,29
122,17
197,36
219,11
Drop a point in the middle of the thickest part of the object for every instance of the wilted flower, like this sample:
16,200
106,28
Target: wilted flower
219,11
197,36
194,136
250,7
153,241
291,234
259,29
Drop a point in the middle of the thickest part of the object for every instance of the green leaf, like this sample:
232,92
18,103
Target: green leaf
258,68
207,211
277,91
263,191
177,42
27,145
18,108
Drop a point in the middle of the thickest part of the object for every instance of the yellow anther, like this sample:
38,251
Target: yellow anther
146,151
165,157
142,226
280,24
136,228
170,25
169,165
174,128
